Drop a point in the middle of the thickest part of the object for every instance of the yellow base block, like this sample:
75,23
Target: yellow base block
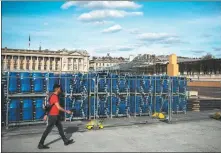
159,115
94,124
173,59
172,69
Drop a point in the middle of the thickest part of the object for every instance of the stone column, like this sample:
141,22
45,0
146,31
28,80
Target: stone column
68,62
77,61
48,64
64,64
94,65
53,64
72,61
36,64
18,63
24,63
12,63
42,64
85,64
88,64
30,63
59,64
80,65
5,63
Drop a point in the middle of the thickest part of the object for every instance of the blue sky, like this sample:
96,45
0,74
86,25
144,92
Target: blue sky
119,28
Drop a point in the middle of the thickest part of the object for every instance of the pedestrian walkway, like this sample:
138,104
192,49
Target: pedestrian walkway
203,136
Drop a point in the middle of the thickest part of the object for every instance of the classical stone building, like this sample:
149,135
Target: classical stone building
45,60
101,63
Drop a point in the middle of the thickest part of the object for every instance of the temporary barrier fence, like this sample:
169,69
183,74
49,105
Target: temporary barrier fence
92,95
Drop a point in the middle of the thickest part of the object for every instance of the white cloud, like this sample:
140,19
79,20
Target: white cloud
99,15
113,29
163,38
155,36
126,48
115,49
195,51
217,49
68,4
101,22
125,51
172,40
102,4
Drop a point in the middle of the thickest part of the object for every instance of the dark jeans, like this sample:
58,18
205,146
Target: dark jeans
53,120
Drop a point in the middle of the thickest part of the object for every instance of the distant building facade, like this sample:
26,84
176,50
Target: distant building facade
153,64
45,60
100,63
131,57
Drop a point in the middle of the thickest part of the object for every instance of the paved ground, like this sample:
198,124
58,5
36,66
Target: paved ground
201,136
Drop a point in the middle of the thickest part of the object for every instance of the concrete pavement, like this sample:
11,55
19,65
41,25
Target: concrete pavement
203,136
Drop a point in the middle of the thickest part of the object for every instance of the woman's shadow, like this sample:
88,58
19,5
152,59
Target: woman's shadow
68,132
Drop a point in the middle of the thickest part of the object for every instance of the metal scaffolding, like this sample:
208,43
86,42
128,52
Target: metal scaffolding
93,95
